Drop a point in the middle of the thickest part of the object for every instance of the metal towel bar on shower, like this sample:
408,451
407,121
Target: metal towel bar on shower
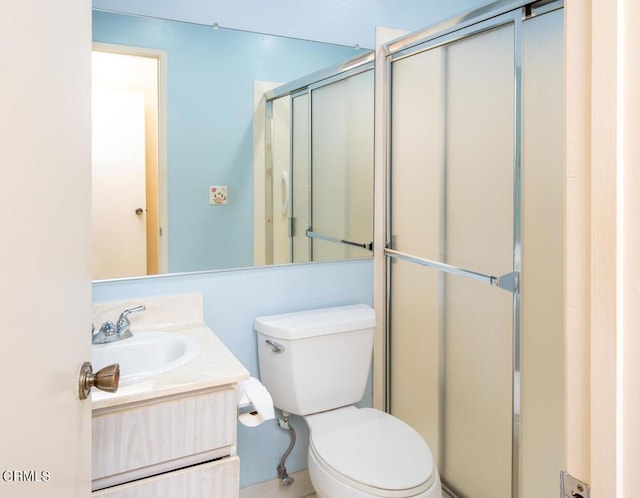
329,238
508,281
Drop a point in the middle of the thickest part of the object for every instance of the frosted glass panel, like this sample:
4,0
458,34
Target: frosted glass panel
472,444
542,284
452,198
281,149
418,159
452,153
300,178
415,314
479,236
479,152
478,373
342,166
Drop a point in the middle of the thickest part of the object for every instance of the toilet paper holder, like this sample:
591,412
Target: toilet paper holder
246,406
254,404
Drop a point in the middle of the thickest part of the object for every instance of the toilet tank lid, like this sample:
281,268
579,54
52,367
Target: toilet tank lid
311,323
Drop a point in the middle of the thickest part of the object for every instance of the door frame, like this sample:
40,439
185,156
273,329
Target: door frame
163,205
603,241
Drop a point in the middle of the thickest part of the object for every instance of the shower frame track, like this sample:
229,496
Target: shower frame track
297,88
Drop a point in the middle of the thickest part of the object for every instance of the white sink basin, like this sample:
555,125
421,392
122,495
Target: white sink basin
145,354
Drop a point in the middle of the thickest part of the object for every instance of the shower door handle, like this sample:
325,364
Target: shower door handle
284,207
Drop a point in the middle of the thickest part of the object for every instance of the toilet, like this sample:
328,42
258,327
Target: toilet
315,364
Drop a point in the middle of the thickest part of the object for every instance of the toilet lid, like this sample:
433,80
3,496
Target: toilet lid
372,448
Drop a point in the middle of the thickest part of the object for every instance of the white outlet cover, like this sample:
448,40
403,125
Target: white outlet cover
217,195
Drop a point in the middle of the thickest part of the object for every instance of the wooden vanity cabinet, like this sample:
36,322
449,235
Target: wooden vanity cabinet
169,447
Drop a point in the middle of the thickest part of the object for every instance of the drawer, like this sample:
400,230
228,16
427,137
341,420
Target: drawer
193,428
215,479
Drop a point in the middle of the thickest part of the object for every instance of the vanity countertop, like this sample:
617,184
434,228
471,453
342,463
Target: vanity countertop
214,366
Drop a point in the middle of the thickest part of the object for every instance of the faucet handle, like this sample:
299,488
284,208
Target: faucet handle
108,328
126,313
95,334
122,325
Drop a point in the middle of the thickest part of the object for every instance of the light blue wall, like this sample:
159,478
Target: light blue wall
345,22
210,125
232,301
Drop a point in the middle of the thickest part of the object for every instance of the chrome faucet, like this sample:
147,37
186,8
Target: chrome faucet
110,332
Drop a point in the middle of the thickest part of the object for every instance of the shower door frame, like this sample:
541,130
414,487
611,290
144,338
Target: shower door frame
489,17
306,86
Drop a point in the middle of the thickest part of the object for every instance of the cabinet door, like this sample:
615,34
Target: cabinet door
219,478
157,437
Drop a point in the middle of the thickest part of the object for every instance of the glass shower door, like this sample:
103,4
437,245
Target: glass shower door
342,167
453,202
300,183
279,195
319,147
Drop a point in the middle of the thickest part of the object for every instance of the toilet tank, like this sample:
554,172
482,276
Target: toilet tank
324,360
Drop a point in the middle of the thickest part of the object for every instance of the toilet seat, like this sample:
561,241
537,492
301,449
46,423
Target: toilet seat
371,451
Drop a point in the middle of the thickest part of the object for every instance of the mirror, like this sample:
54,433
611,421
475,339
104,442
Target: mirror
203,218
321,144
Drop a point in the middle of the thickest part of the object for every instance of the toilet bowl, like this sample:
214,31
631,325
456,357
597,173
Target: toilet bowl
364,452
316,364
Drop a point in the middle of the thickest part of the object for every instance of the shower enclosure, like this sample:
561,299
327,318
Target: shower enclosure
474,246
319,164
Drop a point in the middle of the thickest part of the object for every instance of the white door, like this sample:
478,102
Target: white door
119,233
128,152
45,295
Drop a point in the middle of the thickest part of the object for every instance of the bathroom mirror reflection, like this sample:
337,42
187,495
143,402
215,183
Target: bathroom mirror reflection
319,157
190,129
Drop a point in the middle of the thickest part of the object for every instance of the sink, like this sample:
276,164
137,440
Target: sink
145,354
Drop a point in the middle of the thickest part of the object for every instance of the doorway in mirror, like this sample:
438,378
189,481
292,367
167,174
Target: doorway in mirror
126,202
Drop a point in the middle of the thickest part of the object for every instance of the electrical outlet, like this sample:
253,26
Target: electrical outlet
217,195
